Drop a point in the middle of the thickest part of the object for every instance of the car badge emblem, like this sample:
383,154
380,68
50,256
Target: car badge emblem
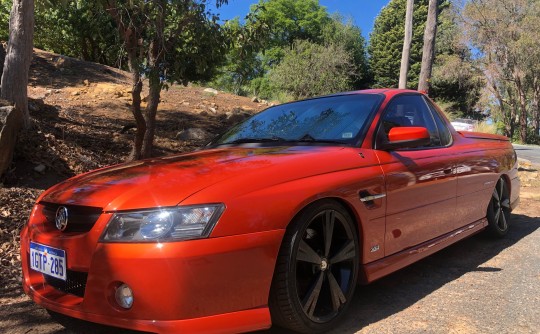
61,218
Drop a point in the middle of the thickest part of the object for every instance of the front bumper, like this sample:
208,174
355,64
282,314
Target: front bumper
218,285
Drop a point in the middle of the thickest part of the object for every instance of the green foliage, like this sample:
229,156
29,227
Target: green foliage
285,22
81,29
292,20
386,42
339,31
310,69
289,21
194,43
455,78
243,62
5,9
176,41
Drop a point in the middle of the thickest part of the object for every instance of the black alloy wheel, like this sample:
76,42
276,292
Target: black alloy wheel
317,269
498,212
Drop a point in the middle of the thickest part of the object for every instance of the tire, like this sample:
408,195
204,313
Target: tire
314,280
498,211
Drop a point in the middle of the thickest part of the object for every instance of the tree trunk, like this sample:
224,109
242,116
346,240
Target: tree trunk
15,78
136,88
10,125
406,45
19,56
150,113
130,36
536,122
536,109
522,113
428,53
155,57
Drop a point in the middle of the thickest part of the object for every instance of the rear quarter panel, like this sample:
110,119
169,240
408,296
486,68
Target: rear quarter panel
483,159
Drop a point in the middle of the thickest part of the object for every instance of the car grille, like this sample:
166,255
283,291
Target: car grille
75,283
80,218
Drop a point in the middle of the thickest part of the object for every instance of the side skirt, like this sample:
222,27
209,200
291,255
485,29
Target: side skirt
385,266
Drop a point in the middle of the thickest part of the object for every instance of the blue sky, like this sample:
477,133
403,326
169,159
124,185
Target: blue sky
363,12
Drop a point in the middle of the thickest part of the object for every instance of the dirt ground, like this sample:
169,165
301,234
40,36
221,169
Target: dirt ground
81,121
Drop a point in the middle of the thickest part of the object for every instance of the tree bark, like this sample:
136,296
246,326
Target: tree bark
10,125
522,111
14,83
155,57
428,53
406,45
136,89
18,57
150,113
536,107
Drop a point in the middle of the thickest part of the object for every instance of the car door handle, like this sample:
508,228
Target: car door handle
448,171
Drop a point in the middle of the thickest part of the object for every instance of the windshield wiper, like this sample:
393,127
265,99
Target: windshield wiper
257,140
310,139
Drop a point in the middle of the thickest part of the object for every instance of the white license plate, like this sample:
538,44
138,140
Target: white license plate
48,260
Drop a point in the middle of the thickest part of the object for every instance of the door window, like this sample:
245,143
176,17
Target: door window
409,110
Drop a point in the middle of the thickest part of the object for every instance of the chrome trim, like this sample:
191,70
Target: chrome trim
372,197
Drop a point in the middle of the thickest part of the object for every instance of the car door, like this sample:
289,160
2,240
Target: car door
420,182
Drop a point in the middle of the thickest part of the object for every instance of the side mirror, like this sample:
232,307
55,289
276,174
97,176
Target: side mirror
406,137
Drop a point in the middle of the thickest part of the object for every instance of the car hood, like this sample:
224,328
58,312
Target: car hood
168,181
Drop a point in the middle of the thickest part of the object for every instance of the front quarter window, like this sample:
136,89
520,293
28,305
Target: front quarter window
334,119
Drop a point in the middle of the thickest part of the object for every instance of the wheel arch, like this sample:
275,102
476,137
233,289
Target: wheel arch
345,204
508,182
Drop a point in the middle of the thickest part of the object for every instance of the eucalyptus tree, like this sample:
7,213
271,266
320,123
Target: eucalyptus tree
428,53
404,70
14,81
506,34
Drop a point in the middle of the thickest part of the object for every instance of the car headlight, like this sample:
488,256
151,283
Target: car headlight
167,224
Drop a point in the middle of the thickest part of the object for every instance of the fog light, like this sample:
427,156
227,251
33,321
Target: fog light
124,296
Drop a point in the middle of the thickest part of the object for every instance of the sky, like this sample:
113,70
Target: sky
362,12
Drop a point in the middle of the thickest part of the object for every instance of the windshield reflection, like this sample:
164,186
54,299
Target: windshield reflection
334,119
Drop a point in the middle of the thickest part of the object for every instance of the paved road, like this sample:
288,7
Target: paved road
528,152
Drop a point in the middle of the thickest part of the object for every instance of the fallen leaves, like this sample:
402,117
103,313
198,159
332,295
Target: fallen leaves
15,206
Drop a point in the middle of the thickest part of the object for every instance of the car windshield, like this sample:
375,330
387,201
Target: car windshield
334,119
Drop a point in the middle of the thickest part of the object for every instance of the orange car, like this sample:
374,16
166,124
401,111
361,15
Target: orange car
275,222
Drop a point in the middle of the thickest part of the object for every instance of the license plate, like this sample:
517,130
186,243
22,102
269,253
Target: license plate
48,260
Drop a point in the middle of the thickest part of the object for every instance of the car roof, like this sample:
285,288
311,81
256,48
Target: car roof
389,92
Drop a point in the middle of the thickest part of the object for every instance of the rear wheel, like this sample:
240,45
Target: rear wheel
317,269
498,212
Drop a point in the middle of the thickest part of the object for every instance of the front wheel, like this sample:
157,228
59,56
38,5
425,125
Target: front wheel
317,269
498,212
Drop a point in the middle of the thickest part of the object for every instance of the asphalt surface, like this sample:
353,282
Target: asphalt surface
528,152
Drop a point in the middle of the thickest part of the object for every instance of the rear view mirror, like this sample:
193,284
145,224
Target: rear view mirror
407,137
